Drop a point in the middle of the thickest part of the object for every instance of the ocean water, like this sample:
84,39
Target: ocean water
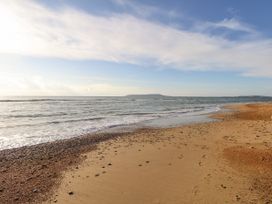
32,120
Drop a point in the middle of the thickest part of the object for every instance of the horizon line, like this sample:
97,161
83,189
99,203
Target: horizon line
134,95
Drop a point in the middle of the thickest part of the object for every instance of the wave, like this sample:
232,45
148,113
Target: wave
54,122
78,120
32,100
34,115
166,111
134,113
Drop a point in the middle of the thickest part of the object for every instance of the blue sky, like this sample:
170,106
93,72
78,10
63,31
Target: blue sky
119,47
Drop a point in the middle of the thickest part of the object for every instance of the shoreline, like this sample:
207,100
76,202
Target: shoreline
36,173
128,128
164,122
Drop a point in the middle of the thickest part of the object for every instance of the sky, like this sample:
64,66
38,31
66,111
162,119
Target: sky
120,47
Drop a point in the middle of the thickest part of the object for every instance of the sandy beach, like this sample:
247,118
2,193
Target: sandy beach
135,102
227,161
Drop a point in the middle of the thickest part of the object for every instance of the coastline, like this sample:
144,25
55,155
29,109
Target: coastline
188,164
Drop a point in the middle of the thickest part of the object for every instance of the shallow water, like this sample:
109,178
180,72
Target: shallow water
33,120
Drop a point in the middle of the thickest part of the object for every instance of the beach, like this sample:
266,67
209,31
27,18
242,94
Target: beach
225,161
135,102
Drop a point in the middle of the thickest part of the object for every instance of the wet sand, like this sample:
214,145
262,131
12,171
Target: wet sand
229,161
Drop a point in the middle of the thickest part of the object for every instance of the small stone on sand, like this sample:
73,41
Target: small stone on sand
71,193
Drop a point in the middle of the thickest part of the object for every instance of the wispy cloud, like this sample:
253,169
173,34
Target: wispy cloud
230,24
30,29
234,24
146,10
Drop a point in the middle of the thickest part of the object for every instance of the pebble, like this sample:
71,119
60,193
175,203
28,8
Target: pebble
35,190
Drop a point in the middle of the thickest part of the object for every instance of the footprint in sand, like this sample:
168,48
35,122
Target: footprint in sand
238,197
207,178
180,156
195,190
204,147
223,186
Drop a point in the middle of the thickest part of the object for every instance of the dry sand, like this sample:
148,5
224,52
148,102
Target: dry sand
229,161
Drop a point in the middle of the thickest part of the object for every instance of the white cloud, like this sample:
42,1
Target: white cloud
24,84
19,84
146,10
231,24
30,29
234,24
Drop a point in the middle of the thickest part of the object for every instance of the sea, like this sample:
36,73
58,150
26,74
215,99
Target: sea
32,120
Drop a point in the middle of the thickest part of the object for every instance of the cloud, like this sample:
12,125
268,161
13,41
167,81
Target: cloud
25,84
230,24
234,24
31,29
145,10
21,85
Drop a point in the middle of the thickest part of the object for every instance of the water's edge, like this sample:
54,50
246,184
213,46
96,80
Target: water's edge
26,121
